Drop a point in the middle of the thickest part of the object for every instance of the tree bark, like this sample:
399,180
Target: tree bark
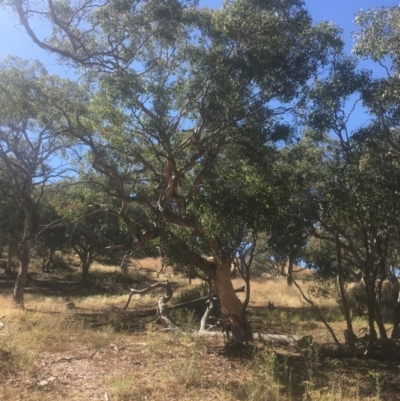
86,259
396,322
19,288
85,270
289,269
378,317
394,282
371,306
231,304
339,281
9,260
24,249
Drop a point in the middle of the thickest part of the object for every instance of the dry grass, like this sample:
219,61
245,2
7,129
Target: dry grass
48,352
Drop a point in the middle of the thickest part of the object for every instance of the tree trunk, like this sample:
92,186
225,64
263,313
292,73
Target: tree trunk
85,271
394,283
346,311
24,252
342,292
9,260
86,260
378,317
371,305
231,304
19,288
289,269
396,322
49,260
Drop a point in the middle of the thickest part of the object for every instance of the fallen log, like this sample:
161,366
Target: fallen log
382,348
162,313
177,306
299,341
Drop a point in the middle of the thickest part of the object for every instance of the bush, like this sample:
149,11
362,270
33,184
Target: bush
357,300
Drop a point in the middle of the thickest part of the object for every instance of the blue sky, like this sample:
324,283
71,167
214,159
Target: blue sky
13,39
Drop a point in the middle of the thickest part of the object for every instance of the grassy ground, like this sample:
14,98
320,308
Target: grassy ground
97,351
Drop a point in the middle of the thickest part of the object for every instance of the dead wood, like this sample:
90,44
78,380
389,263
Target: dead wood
162,308
144,291
318,313
265,338
352,352
151,312
163,314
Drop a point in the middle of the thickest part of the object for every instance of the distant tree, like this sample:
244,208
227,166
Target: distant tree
379,40
32,133
359,206
87,232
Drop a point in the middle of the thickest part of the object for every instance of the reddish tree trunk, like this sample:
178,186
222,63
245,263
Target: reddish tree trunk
231,304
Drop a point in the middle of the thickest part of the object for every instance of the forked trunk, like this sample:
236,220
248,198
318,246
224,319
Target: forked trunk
231,304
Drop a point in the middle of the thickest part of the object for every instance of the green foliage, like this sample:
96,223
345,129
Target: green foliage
357,299
188,107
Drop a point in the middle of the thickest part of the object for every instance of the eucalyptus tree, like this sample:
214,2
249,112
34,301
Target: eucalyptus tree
357,193
292,205
379,39
176,84
31,134
88,232
11,227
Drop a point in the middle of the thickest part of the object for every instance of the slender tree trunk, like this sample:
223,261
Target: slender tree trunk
342,292
289,269
19,288
231,304
49,260
394,283
378,317
24,249
346,310
10,255
86,260
396,321
24,252
371,306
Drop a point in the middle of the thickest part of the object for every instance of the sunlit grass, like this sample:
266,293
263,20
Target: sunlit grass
149,363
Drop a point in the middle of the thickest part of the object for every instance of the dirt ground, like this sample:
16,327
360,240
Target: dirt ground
98,351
